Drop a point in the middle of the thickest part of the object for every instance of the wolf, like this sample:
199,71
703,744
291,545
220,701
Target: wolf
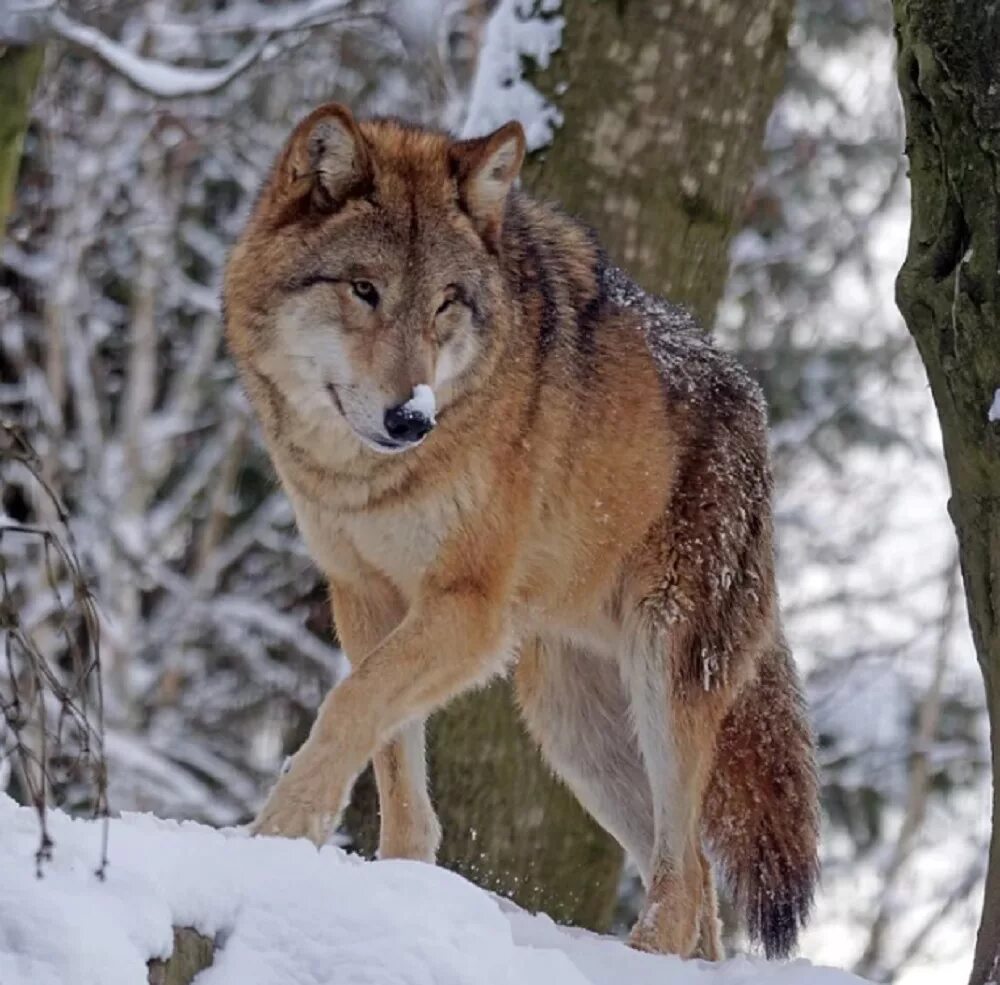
503,454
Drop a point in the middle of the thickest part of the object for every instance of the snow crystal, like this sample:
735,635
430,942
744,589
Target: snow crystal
282,912
422,402
993,414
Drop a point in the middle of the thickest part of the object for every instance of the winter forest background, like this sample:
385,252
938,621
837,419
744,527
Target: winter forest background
215,642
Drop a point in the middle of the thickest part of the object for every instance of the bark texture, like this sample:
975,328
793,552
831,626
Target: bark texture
947,290
665,104
19,69
664,110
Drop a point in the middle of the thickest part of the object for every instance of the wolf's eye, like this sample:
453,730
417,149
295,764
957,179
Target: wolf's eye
365,290
453,297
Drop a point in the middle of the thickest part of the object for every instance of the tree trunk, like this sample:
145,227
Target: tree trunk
665,105
684,95
19,69
947,290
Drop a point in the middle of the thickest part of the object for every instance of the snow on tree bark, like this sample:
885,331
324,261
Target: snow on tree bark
948,292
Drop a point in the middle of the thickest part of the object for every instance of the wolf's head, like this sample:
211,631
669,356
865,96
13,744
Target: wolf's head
367,281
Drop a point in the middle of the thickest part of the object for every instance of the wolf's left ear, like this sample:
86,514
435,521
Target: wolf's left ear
485,169
326,157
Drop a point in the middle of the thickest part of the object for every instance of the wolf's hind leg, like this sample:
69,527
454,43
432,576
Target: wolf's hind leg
575,707
709,944
676,727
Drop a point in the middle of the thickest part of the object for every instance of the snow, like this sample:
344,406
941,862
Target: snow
515,32
284,914
422,402
993,414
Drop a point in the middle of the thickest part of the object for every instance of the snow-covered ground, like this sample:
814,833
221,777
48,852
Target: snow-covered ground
284,914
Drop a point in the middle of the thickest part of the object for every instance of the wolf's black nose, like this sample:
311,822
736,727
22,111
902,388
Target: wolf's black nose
402,423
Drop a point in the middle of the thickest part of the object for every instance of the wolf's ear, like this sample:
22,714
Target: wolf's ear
485,169
326,157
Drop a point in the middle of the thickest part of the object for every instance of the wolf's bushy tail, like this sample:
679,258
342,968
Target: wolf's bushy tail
761,810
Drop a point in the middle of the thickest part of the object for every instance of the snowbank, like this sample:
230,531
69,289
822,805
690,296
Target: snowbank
284,914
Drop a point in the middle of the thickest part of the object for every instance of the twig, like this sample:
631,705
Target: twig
38,738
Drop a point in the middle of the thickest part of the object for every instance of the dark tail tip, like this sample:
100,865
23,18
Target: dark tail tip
775,919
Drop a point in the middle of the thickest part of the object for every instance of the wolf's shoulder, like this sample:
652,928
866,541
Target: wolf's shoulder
694,370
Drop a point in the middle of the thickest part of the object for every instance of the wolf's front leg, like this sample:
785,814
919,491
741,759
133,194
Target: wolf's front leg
451,640
365,611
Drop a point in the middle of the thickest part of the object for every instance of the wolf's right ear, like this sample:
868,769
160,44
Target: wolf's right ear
326,157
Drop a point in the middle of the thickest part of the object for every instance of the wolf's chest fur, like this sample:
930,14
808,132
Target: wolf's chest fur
398,541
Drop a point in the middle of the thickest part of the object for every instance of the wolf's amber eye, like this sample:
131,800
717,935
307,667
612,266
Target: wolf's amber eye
365,290
445,305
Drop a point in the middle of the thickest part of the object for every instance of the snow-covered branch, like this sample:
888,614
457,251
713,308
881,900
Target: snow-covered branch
164,80
155,77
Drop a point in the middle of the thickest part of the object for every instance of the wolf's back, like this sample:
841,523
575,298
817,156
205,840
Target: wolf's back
761,811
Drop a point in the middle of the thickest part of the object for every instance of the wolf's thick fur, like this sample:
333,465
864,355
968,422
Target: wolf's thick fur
592,506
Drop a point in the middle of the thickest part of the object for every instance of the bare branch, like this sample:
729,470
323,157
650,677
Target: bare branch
49,739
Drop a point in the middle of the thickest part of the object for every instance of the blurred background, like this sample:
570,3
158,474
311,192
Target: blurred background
745,158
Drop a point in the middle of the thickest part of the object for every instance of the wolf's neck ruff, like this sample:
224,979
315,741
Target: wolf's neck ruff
587,495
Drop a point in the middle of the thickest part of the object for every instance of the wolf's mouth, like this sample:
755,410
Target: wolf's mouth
390,445
332,390
386,446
